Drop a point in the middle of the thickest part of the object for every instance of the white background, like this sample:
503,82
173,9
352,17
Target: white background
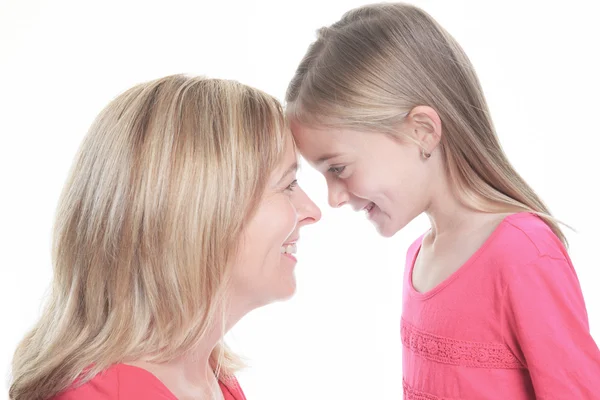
62,61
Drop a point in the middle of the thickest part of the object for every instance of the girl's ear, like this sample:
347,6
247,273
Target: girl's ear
425,126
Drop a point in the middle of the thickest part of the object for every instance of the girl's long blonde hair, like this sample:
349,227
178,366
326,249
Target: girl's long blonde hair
146,229
368,70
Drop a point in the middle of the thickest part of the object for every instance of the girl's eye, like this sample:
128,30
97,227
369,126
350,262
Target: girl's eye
292,186
337,170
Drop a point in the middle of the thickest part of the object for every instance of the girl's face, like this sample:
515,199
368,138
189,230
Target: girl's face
386,177
264,270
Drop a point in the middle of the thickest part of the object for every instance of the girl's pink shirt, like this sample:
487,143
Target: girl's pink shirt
511,323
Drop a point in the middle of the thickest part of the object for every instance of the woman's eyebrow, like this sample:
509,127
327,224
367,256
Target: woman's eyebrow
291,168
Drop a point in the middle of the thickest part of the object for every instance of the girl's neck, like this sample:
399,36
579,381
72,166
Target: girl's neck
451,219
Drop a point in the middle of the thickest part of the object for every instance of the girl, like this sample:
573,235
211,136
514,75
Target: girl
180,216
387,106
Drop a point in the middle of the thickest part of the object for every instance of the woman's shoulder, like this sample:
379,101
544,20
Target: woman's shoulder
119,381
231,389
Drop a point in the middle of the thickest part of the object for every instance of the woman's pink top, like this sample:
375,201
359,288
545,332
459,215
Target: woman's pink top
511,323
125,382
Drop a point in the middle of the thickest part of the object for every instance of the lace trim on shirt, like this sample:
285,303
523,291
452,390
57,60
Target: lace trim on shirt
412,394
458,352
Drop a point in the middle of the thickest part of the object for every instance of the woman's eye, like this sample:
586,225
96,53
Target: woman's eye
292,186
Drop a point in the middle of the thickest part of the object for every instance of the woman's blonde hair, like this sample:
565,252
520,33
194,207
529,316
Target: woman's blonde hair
368,70
146,229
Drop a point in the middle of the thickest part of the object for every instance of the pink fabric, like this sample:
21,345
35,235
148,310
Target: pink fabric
511,323
125,382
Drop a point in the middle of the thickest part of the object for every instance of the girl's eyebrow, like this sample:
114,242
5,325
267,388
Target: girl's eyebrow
326,157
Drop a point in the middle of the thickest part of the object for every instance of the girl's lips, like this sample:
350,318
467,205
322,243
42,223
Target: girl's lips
369,207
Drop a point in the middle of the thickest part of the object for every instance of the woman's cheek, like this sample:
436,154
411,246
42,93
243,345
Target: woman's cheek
292,213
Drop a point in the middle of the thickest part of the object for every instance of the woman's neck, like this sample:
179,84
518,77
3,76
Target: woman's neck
191,375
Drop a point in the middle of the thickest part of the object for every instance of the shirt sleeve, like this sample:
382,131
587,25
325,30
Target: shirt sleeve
546,326
232,390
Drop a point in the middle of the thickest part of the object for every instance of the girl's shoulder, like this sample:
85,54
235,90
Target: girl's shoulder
524,247
526,235
519,239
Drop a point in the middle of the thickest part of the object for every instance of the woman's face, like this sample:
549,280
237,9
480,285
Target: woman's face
264,271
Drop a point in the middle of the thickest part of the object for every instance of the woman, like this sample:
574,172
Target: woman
388,107
181,214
